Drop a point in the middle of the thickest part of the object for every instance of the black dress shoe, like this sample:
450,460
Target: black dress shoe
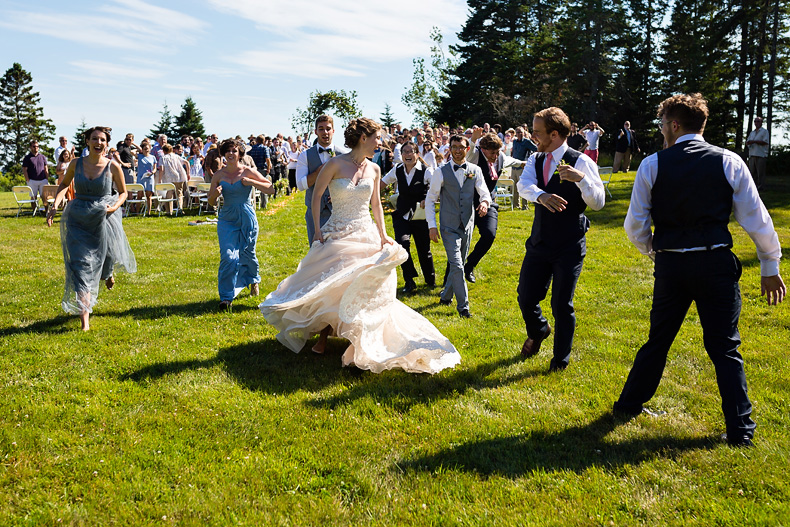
740,441
531,346
445,302
410,287
470,276
465,314
553,368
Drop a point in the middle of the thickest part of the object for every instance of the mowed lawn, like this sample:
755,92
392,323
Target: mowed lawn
170,412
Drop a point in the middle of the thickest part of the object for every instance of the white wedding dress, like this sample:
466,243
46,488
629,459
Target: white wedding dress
349,283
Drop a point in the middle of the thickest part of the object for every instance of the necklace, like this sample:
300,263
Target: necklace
360,163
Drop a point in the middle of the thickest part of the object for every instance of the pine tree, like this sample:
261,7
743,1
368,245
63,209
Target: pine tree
189,121
79,138
21,118
387,119
165,124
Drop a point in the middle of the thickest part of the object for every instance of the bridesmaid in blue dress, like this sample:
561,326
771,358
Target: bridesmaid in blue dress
237,228
91,233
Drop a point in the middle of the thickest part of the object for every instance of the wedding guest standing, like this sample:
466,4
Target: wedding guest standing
564,182
34,168
126,150
91,232
688,191
173,171
195,160
146,170
413,178
237,226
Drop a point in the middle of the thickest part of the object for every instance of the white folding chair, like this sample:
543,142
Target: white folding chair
504,191
606,171
202,190
162,190
24,196
133,190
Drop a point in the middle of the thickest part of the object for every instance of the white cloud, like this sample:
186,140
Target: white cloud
128,24
320,40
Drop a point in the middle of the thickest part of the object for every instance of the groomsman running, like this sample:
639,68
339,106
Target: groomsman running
310,163
489,157
455,183
413,178
565,182
689,191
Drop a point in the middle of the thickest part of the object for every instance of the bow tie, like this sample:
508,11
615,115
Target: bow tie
321,150
456,167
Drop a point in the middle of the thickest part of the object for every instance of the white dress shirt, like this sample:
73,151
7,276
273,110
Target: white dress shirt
392,177
396,158
755,150
747,207
301,165
590,185
437,181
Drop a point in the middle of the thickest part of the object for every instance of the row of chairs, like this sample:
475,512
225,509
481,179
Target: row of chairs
197,195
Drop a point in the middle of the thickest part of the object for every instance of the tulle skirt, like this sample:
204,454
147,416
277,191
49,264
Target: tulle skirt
349,283
94,246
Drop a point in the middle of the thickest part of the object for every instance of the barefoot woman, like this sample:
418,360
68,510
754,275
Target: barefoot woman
90,229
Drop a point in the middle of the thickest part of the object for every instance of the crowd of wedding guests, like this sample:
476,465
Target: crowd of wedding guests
160,159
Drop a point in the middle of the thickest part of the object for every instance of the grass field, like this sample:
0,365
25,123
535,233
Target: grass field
170,412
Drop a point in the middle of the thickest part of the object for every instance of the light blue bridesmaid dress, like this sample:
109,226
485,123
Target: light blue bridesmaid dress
237,230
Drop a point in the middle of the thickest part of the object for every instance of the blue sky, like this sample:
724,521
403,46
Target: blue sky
248,64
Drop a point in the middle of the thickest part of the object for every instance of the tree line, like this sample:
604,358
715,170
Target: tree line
610,61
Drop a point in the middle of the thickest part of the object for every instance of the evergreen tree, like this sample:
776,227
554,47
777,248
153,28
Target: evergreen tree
21,118
79,138
343,103
431,83
189,121
387,119
165,124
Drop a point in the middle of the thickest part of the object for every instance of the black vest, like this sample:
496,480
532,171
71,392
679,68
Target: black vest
692,199
557,229
482,162
410,195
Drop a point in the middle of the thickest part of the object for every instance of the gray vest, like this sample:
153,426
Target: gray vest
457,207
313,162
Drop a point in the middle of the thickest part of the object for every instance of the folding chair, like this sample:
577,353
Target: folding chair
24,196
132,190
48,195
162,189
203,189
194,193
606,171
504,190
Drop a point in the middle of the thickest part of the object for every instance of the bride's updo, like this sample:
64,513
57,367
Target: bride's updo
359,127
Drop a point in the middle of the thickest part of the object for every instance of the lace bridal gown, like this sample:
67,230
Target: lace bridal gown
349,283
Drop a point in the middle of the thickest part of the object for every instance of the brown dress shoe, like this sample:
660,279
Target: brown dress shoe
531,346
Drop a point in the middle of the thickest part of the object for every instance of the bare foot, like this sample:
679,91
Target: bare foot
320,346
85,321
110,283
255,290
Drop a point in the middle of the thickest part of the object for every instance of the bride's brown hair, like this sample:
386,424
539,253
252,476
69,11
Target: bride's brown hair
359,127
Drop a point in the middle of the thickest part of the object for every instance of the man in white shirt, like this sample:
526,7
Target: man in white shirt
565,182
456,183
63,144
758,152
688,191
308,166
593,133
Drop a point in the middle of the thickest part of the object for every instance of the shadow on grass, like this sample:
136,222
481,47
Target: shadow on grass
573,449
65,323
267,366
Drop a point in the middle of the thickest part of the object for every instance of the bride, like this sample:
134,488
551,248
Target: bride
346,284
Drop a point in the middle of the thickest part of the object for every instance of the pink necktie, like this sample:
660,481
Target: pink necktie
492,171
547,169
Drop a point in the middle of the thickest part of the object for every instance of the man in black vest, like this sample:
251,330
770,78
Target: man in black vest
413,179
565,182
492,161
689,190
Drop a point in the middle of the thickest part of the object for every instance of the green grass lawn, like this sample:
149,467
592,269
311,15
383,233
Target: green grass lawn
170,412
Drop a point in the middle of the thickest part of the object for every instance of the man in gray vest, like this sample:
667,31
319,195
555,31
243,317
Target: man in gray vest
308,166
688,191
455,183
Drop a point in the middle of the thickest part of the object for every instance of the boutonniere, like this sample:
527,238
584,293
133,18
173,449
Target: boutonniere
556,170
331,153
469,174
